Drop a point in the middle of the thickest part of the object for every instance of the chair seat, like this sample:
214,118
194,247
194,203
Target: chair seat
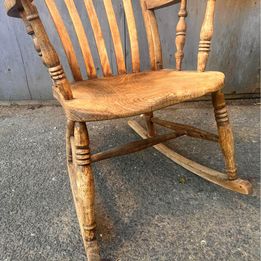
133,94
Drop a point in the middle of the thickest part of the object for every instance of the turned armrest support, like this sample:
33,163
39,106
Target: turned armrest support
154,4
206,34
27,11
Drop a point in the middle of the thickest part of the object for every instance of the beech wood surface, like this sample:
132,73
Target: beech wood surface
216,177
83,41
188,130
134,94
116,38
65,39
124,95
133,35
134,146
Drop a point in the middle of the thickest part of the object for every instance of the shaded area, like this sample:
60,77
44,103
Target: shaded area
148,208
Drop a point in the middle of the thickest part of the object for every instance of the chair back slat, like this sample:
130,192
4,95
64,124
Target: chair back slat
181,34
119,42
82,38
65,39
133,35
100,43
116,38
152,36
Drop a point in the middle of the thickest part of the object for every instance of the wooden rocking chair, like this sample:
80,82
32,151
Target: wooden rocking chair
125,95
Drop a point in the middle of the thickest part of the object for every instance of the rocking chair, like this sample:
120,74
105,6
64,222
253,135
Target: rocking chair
125,95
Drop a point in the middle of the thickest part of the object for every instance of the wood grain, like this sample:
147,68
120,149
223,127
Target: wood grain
226,139
133,35
115,34
216,177
181,30
83,41
45,49
151,26
65,39
127,95
135,94
187,130
85,190
100,43
206,34
134,146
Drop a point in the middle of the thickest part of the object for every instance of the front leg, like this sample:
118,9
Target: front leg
85,191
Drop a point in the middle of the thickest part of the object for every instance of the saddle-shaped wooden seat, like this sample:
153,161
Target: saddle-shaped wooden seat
134,94
124,94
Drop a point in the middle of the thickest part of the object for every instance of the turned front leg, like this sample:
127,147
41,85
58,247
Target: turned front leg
69,134
85,190
226,138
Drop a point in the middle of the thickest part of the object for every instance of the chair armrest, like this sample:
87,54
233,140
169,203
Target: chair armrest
13,8
153,4
27,11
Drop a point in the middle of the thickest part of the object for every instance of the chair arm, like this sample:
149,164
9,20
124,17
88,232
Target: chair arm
27,11
13,8
153,4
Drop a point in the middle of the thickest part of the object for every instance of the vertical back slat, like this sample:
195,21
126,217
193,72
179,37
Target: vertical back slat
100,43
79,29
149,34
181,34
153,38
65,39
116,38
134,44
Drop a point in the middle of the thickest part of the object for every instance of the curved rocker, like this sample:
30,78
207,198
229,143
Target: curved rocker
126,94
216,177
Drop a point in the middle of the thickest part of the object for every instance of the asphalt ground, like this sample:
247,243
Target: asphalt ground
147,207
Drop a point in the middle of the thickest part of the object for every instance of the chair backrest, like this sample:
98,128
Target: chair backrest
26,10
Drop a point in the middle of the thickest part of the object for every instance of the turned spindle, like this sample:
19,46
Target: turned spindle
181,34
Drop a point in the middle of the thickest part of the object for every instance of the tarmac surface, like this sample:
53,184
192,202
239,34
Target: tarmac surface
147,207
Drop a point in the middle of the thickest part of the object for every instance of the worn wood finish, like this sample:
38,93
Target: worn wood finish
240,80
226,138
116,38
134,146
85,190
83,41
65,39
45,49
206,34
127,95
150,126
218,178
133,35
135,94
181,34
105,63
153,38
188,130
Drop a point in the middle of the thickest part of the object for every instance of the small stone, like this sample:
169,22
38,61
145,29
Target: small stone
203,242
